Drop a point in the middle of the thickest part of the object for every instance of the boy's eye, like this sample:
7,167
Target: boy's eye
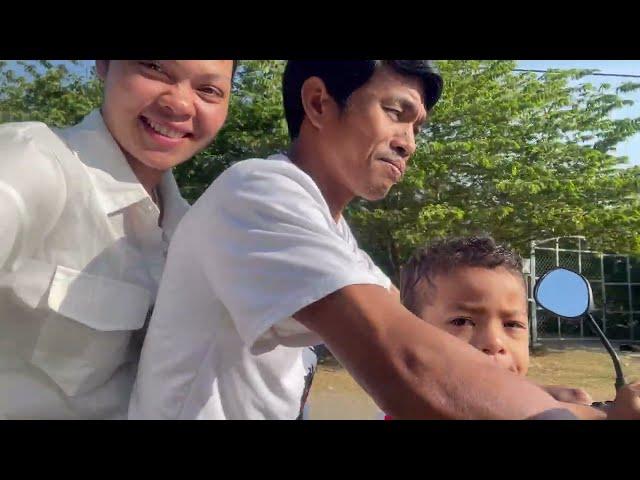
461,322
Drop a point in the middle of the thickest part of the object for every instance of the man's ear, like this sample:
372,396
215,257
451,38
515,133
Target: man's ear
318,105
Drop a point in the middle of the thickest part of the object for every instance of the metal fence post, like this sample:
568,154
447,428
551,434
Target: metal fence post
557,265
534,306
580,271
604,294
631,329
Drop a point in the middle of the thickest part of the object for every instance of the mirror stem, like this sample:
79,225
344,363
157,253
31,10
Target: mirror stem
620,381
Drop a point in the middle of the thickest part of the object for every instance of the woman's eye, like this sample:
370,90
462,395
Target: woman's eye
155,66
212,91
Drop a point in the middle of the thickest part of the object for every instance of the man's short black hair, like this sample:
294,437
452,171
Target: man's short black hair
445,256
343,77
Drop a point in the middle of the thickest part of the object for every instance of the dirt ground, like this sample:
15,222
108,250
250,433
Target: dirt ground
335,395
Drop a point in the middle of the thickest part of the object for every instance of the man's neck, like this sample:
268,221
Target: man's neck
311,161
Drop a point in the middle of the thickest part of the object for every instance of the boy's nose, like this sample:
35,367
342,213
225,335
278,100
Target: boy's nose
494,348
489,341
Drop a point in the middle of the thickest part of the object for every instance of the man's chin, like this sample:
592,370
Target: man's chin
376,194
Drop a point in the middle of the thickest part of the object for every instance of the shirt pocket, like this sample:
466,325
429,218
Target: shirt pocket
86,334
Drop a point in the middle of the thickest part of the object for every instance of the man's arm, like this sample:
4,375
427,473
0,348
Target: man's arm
584,412
412,369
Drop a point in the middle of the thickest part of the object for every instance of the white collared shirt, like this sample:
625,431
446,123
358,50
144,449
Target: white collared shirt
259,245
81,255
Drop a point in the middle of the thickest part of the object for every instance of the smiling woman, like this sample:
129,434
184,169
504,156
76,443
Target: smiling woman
89,212
162,112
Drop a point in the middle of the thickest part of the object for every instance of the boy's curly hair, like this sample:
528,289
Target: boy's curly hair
444,256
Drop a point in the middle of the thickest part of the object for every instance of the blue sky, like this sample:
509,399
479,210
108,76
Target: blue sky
630,148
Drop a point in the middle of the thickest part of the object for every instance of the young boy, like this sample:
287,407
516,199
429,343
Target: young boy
474,290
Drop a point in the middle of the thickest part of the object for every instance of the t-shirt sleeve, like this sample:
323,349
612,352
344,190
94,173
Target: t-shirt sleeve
270,250
386,281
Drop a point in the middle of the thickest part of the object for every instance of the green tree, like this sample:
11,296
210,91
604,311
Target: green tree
520,156
516,155
255,126
47,93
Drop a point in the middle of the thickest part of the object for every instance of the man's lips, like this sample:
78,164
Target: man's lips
398,164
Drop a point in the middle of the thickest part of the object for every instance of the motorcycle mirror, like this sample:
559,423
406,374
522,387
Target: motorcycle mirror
564,293
568,294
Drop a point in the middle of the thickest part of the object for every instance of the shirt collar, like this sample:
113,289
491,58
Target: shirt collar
116,184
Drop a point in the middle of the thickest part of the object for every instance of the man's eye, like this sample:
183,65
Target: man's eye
461,322
393,112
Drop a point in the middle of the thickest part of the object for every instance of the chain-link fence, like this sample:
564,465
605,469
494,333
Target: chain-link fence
615,282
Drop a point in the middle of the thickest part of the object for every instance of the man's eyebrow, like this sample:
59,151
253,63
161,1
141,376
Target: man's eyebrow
411,105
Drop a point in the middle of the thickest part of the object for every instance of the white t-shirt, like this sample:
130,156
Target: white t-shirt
257,247
81,256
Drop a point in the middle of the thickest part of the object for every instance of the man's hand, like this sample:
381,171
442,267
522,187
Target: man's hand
627,404
568,394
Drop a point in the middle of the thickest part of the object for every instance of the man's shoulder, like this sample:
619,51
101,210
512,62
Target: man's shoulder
276,167
274,176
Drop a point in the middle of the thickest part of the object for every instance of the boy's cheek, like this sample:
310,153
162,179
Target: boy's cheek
460,333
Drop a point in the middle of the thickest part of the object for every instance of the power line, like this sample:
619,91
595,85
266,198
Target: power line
593,73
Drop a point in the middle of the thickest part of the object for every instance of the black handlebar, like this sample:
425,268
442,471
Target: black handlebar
620,381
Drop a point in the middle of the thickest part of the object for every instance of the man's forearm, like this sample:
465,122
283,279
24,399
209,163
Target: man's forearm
584,412
414,370
455,380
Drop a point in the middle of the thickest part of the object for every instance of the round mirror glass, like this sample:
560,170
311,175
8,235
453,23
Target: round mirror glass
564,293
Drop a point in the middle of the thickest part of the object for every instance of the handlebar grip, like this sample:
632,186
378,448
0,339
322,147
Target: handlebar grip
604,406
